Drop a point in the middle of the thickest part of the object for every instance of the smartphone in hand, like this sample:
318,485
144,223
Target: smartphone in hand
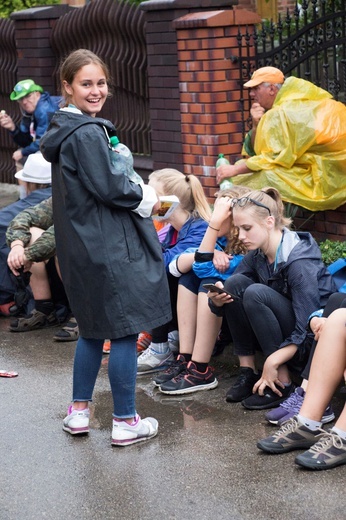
214,288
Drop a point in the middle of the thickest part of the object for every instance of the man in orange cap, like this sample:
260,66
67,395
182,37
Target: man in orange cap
297,143
264,85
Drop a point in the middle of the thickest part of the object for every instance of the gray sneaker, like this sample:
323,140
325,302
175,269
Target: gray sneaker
150,361
291,436
327,453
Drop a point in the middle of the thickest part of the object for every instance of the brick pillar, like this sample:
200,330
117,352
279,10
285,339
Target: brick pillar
209,89
163,75
33,29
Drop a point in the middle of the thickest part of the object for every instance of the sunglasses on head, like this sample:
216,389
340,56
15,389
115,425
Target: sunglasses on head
244,200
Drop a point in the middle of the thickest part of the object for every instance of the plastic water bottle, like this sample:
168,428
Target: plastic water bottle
122,160
226,183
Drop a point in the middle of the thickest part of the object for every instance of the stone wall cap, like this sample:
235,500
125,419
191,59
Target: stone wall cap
43,12
216,18
160,5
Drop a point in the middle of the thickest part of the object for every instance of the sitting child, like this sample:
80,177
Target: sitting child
216,259
326,449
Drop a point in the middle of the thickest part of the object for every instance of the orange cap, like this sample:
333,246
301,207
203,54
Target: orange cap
265,75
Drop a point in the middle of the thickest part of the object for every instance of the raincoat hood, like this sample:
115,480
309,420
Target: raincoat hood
109,255
300,148
64,123
296,88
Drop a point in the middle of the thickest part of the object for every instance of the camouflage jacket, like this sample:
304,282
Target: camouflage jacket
40,216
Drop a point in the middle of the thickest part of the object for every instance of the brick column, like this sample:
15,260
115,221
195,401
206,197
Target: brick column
163,75
209,89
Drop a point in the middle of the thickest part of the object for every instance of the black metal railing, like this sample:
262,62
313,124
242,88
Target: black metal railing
309,43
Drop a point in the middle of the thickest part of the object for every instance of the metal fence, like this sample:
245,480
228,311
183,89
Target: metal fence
115,31
309,43
8,69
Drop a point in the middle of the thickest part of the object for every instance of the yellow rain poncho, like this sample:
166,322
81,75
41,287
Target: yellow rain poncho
300,148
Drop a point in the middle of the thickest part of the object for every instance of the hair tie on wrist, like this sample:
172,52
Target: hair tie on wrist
211,227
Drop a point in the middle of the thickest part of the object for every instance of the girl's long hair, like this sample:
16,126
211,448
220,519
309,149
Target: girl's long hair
187,188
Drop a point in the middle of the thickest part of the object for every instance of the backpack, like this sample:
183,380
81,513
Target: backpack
338,271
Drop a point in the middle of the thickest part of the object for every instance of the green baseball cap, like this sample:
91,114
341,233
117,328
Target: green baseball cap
23,88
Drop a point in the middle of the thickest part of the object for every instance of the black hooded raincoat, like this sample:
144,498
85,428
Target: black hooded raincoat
110,257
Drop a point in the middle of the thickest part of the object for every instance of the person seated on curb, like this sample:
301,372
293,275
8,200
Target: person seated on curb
37,107
188,223
215,259
297,144
39,188
293,403
280,281
326,449
30,235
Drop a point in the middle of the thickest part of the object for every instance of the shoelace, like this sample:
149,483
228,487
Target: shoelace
287,427
328,440
173,366
294,402
181,376
147,353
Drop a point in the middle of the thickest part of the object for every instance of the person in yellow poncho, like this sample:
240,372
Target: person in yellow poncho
298,142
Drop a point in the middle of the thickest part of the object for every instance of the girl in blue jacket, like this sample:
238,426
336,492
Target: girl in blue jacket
187,225
215,259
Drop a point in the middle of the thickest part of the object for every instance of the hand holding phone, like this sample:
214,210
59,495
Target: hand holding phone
220,290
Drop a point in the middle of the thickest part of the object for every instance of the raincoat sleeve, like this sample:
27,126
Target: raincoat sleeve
190,236
208,270
304,292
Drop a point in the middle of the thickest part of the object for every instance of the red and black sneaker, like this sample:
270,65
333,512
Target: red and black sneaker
190,381
177,367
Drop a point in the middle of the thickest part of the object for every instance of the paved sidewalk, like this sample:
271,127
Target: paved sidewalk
203,464
8,193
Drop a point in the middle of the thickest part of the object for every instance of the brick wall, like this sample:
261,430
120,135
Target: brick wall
163,75
210,106
209,90
323,224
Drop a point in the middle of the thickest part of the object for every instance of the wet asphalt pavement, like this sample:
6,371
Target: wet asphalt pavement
203,464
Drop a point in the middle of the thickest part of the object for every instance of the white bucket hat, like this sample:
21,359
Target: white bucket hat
36,169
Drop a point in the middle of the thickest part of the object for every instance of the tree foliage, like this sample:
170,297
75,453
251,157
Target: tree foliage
10,6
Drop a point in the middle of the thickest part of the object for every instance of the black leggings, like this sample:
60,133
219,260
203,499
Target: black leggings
160,334
335,301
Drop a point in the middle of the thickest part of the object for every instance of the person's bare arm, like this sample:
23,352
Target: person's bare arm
256,112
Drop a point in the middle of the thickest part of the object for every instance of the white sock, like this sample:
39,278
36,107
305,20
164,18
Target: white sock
341,433
159,348
309,423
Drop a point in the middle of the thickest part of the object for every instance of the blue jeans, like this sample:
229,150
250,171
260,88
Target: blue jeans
122,372
262,320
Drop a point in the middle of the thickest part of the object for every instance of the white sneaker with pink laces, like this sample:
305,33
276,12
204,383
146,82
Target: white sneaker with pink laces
77,421
124,434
